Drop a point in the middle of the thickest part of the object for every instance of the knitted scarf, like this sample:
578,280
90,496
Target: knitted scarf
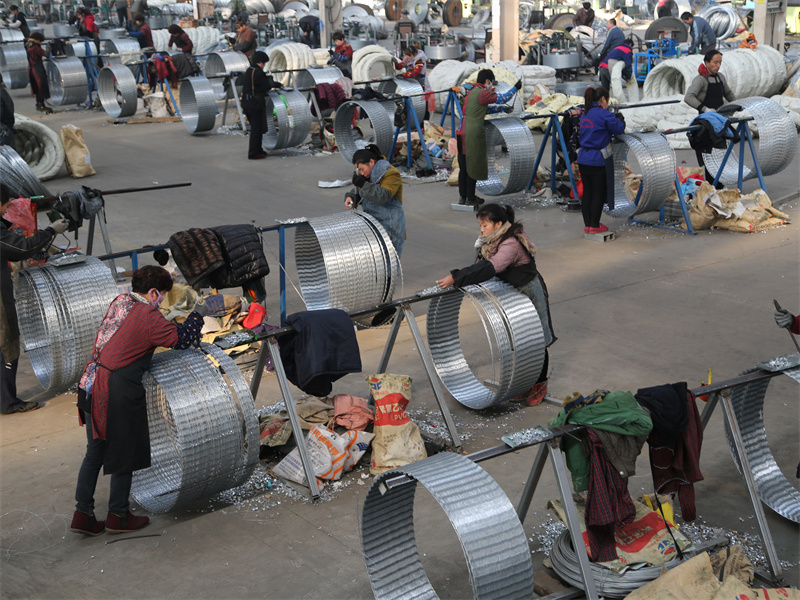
487,244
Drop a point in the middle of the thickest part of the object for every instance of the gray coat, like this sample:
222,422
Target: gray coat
696,94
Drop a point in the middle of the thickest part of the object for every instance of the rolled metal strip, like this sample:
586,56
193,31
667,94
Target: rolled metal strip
120,46
308,78
418,11
516,332
14,65
509,171
224,62
288,119
67,79
198,105
406,87
7,34
197,449
116,87
380,119
723,18
64,31
112,34
487,526
657,166
573,88
60,309
18,176
748,404
444,52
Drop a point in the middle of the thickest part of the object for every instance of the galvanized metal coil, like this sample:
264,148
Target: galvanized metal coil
723,18
60,309
487,526
347,261
67,79
198,104
509,171
380,118
124,45
776,145
657,167
61,30
418,10
406,87
116,88
14,66
572,88
18,176
514,332
308,78
748,404
288,119
204,435
224,63
8,34
112,34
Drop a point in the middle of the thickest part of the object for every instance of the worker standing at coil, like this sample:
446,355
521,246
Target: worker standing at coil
245,39
255,85
506,251
595,156
379,192
415,66
584,16
614,37
341,54
180,38
141,32
704,39
111,397
37,75
18,21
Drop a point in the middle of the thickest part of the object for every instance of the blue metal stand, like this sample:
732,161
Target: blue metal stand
661,224
161,85
411,116
452,105
744,134
554,130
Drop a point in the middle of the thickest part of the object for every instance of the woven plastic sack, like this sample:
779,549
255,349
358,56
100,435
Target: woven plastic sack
76,152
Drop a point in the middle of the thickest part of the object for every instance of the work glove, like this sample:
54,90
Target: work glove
359,180
330,51
784,318
201,308
518,85
621,117
59,226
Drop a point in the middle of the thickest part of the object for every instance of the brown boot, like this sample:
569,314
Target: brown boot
83,523
125,524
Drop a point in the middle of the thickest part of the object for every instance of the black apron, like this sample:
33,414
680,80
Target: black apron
715,95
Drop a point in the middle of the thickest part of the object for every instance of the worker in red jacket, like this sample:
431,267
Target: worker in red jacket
180,38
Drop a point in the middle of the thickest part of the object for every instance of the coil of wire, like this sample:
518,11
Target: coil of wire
67,79
513,134
308,78
60,309
514,333
224,63
346,261
488,529
116,88
198,105
657,167
288,119
406,87
128,47
380,119
776,147
17,175
14,65
723,18
197,448
39,146
8,34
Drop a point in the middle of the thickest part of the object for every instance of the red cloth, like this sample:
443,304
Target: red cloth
185,44
414,71
89,25
796,327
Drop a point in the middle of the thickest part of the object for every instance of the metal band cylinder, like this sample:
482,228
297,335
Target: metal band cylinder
226,63
14,66
7,34
124,45
308,78
513,134
288,119
380,118
203,429
488,529
116,88
64,31
198,105
572,88
18,176
516,334
406,87
60,309
657,164
67,79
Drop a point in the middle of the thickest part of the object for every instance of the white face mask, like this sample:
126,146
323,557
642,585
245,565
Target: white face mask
158,300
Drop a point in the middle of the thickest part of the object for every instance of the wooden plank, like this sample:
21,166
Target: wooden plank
140,120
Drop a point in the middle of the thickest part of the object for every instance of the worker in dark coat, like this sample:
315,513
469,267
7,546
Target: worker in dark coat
584,16
255,85
310,26
704,40
141,32
180,38
18,21
245,39
36,73
614,37
7,133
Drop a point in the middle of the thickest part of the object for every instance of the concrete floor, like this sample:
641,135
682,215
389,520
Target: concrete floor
652,307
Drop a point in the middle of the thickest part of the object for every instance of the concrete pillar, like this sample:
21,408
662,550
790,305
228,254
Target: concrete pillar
505,30
330,12
769,27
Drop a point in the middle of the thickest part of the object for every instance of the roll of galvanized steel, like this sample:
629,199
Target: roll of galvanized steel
406,87
64,31
17,175
443,52
656,165
224,63
517,341
60,309
485,522
116,87
67,79
723,18
288,119
197,448
513,134
380,117
112,34
308,78
7,34
198,104
572,88
127,46
14,65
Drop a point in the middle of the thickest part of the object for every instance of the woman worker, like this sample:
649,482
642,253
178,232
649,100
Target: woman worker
505,250
379,191
180,38
595,156
37,75
111,397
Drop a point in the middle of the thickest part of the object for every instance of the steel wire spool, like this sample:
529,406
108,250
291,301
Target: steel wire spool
64,31
8,34
774,489
308,78
346,261
116,88
288,119
67,79
516,334
204,435
776,146
723,18
513,134
488,529
382,127
406,87
219,63
14,66
18,176
198,106
657,166
60,309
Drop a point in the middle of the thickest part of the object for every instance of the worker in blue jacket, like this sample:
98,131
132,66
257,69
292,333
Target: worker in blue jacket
703,37
595,155
624,53
614,37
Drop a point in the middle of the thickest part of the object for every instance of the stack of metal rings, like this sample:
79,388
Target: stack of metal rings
406,87
17,175
60,309
204,435
308,78
14,65
380,115
116,88
514,135
224,63
288,119
7,34
198,104
67,79
514,332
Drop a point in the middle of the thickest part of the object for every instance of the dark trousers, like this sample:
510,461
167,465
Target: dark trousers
545,366
258,127
466,184
122,15
8,384
605,78
118,502
595,192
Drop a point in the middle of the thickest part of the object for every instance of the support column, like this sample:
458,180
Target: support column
505,30
330,12
769,27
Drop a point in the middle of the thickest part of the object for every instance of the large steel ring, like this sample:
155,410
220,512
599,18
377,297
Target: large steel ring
418,10
67,80
513,329
309,78
657,167
203,429
723,18
60,309
64,31
406,87
288,119
487,526
116,88
8,34
198,106
509,171
14,66
18,176
773,487
380,118
120,46
224,63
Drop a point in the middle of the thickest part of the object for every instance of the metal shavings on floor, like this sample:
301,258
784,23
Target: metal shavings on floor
409,178
229,130
546,535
